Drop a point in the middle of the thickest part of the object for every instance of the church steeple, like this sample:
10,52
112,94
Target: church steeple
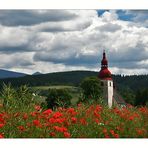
104,72
106,81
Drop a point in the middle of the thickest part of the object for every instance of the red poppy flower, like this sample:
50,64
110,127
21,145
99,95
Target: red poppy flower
112,132
131,118
57,115
1,135
2,120
25,116
1,125
52,134
104,130
47,112
116,135
107,136
71,111
60,129
83,121
37,123
37,107
73,120
96,114
66,134
21,128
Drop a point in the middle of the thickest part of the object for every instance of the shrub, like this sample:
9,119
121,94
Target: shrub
141,97
58,97
91,89
16,98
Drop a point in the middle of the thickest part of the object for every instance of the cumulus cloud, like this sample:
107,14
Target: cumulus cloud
32,17
56,40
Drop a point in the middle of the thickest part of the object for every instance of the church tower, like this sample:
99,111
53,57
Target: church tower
106,81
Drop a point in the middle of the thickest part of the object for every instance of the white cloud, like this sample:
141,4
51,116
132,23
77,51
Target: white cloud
76,42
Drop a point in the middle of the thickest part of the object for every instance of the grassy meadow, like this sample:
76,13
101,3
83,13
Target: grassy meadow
23,118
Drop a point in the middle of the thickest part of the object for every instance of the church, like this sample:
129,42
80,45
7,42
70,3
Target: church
110,94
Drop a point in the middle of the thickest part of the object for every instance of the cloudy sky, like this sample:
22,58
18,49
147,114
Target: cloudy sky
63,40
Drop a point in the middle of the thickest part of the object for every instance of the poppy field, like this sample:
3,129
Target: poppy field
82,121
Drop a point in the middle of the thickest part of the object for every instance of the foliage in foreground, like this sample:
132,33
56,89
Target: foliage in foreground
16,99
83,121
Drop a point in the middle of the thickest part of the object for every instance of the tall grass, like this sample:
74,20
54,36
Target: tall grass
22,117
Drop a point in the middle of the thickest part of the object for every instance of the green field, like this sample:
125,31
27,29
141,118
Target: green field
74,91
55,86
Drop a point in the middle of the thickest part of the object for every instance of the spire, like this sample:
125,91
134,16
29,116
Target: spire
104,62
104,72
104,55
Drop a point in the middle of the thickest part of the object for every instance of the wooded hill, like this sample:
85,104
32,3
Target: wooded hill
133,82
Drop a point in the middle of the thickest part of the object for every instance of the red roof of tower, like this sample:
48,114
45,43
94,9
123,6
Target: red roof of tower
104,72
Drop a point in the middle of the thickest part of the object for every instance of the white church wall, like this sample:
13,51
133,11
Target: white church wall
108,91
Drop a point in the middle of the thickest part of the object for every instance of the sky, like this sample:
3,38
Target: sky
64,40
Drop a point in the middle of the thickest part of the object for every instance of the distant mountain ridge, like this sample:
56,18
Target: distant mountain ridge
37,73
10,74
74,78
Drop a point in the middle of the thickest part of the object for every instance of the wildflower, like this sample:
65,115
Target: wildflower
1,135
71,111
36,123
107,136
60,120
52,134
96,114
33,114
143,109
66,134
101,123
21,128
60,129
2,120
80,104
131,118
47,112
73,119
129,106
140,132
28,125
83,121
37,107
98,108
116,135
57,115
25,116
1,125
97,121
51,120
66,123
112,132
104,130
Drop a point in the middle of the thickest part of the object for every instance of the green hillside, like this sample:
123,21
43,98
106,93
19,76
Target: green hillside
74,78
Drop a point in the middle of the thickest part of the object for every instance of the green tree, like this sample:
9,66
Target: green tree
58,98
91,88
128,95
141,97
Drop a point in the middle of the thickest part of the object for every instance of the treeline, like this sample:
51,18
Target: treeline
133,82
130,87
